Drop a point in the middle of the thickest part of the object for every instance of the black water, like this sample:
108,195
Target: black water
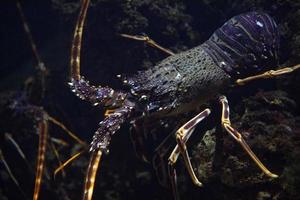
267,109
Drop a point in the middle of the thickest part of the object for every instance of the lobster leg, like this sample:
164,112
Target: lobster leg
268,74
182,136
238,137
137,134
148,41
158,160
171,165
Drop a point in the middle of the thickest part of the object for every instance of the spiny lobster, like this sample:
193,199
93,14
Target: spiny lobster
242,50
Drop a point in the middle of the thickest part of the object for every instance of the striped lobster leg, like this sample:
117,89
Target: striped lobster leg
182,136
238,137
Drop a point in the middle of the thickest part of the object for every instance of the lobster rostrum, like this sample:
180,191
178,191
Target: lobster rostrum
245,48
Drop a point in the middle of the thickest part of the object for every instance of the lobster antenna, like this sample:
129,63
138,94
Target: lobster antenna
75,75
29,35
43,134
91,175
77,39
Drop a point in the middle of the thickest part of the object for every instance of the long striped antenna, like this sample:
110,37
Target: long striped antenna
91,175
43,134
75,76
29,35
77,39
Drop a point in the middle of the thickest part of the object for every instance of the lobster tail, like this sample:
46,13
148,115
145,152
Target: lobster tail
245,45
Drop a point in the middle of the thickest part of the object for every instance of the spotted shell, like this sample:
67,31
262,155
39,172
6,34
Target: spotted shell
245,45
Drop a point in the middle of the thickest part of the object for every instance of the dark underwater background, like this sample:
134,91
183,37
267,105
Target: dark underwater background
265,111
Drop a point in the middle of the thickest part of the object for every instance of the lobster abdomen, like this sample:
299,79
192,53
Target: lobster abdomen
245,45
